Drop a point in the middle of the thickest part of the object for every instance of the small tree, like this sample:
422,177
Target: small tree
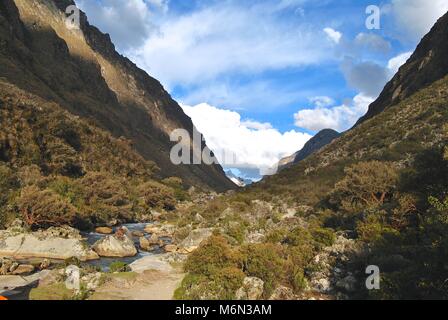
367,183
44,208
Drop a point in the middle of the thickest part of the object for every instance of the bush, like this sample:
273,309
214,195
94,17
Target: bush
265,261
324,236
155,194
44,208
118,266
366,183
212,256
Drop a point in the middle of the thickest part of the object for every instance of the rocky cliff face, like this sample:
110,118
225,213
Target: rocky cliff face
316,143
428,64
81,71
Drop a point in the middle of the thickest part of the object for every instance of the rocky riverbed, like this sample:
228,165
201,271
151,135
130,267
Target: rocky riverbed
39,260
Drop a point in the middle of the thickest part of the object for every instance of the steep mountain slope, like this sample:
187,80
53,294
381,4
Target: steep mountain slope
320,140
426,65
80,70
397,130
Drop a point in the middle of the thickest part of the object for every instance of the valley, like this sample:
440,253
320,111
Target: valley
87,184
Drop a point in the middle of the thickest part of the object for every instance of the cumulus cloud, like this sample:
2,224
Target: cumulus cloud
227,37
243,144
324,115
128,22
416,17
339,118
395,63
373,42
333,35
322,101
366,76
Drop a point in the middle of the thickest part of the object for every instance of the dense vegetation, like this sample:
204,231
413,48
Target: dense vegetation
58,169
385,183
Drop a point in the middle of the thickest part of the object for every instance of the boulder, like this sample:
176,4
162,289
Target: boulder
118,245
23,269
152,262
194,239
45,264
147,244
44,244
161,230
138,234
104,230
170,248
252,289
283,293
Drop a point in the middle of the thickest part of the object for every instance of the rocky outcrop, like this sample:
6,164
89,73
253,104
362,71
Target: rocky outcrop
426,65
194,239
252,289
118,245
46,244
331,263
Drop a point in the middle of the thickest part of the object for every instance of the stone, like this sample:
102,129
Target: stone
138,234
104,230
149,244
283,293
65,232
252,289
255,237
322,285
161,230
23,269
12,282
116,246
195,238
348,284
152,262
92,280
5,267
170,248
45,264
44,245
13,267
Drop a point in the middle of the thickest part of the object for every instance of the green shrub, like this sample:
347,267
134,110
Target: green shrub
118,266
44,208
324,236
265,261
213,255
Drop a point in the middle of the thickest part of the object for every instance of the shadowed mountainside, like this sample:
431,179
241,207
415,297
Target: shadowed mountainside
81,71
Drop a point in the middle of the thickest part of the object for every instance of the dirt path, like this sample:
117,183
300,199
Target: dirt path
149,285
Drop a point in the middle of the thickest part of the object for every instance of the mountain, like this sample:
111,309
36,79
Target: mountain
426,65
320,140
80,71
240,182
395,129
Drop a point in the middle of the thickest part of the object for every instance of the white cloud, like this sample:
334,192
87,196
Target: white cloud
322,101
416,17
333,35
339,118
395,63
373,42
255,145
227,37
345,116
128,22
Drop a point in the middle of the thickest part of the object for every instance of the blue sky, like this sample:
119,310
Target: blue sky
260,77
